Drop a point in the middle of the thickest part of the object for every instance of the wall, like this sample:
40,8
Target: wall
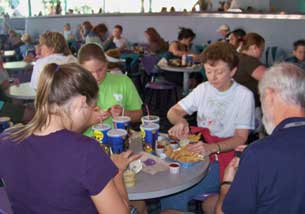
289,6
277,30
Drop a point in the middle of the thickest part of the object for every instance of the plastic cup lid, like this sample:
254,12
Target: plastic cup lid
121,119
101,127
4,119
150,126
151,118
117,133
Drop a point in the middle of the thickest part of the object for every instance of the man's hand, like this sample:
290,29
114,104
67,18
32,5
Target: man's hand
231,170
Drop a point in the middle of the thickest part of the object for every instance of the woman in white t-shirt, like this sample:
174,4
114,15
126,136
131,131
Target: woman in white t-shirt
54,49
225,114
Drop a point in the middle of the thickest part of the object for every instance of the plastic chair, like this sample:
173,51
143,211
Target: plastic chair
156,89
274,54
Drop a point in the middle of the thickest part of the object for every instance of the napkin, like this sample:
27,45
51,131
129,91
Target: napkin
158,166
162,62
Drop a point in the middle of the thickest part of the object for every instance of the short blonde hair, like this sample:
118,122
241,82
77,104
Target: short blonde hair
56,41
26,38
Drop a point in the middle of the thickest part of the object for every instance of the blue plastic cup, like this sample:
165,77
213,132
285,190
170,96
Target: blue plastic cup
121,122
189,59
116,140
150,133
4,123
100,132
150,119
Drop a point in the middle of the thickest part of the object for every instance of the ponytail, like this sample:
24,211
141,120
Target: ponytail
57,84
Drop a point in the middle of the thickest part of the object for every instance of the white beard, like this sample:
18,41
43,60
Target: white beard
269,126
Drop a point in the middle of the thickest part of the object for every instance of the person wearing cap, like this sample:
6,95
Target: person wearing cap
224,31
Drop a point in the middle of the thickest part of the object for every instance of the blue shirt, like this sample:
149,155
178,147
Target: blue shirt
271,174
295,61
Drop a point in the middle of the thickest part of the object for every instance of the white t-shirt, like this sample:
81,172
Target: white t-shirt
41,63
119,43
221,112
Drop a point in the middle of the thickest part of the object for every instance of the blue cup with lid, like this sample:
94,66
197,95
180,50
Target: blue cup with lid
100,132
121,122
116,139
149,134
5,122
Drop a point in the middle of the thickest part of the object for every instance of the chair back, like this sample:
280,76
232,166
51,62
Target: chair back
149,63
273,55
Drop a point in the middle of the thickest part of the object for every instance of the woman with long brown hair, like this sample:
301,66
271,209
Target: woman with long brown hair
156,43
48,166
250,69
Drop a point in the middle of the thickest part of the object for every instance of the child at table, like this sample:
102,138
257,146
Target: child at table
116,91
27,49
65,171
225,114
119,41
298,57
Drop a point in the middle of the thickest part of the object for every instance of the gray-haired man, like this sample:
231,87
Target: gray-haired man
270,176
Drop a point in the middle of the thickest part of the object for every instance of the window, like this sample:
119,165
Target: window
14,7
85,6
179,5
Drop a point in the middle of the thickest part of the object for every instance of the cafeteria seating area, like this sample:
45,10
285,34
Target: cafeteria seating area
194,109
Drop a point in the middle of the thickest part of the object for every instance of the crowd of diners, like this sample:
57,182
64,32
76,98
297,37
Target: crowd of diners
51,163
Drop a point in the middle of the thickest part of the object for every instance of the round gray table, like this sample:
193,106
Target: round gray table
186,73
17,65
164,184
23,92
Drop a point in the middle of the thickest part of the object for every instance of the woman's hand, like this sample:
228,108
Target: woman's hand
122,160
116,110
180,130
202,148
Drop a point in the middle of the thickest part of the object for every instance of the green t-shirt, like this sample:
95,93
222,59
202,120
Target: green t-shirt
117,89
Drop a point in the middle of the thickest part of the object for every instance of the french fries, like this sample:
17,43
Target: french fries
182,155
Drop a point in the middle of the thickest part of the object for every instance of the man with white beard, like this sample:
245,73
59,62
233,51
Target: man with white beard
269,176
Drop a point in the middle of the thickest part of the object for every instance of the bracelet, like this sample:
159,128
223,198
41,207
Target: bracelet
226,183
219,148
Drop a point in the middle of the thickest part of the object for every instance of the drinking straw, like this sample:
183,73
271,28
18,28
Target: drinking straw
123,111
147,111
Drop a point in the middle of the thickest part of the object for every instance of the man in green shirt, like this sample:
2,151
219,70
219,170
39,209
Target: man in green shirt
117,93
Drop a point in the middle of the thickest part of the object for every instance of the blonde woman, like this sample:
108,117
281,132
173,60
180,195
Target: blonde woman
54,49
48,166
